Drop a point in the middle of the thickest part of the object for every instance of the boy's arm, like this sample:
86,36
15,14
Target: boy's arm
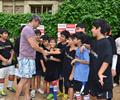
106,61
55,59
101,71
82,61
11,57
86,57
3,59
43,65
72,72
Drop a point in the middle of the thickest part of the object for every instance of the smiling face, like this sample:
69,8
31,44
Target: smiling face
52,43
4,35
62,38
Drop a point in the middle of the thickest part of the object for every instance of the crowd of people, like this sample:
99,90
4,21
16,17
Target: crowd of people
78,67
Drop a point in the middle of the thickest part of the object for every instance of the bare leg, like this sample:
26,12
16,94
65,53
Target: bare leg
93,98
71,93
27,88
19,87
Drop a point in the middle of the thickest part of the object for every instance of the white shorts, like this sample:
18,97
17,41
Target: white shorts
11,70
4,72
26,68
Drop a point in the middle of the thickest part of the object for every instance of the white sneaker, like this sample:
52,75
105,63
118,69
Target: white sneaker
32,93
40,91
115,84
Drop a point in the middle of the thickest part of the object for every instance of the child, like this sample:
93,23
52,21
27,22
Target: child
37,77
80,71
46,46
100,77
52,74
67,68
108,35
7,67
62,45
81,29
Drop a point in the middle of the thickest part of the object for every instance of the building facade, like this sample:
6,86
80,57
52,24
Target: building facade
29,6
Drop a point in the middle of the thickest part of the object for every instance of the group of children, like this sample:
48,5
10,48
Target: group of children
76,67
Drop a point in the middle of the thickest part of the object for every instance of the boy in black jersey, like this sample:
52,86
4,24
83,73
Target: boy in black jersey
62,45
6,65
100,78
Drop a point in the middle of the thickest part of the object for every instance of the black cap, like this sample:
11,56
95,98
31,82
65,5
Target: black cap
81,25
3,30
35,17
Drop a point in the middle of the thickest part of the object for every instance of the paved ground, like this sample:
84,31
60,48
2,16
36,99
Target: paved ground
39,97
11,96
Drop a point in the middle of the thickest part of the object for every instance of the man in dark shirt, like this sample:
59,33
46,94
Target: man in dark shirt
100,78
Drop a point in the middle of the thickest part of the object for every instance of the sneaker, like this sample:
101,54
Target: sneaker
12,89
115,84
60,94
32,93
3,93
50,96
40,91
65,97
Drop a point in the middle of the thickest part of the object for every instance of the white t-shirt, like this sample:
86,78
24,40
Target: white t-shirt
118,45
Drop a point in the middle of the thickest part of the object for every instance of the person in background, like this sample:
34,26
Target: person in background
6,62
108,35
116,78
62,46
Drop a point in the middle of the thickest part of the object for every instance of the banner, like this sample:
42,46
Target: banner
68,27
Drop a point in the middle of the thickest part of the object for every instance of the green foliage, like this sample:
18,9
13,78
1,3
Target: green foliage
71,11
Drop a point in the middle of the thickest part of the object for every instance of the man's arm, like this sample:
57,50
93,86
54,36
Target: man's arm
35,46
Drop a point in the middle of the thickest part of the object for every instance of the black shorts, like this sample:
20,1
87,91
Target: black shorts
102,95
39,71
78,86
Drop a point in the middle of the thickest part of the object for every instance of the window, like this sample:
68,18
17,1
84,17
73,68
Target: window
41,9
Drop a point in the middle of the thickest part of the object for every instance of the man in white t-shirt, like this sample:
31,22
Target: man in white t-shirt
116,78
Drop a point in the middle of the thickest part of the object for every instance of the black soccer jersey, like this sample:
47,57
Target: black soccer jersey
102,53
5,50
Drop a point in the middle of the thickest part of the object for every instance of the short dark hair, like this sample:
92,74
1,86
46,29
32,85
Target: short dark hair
45,37
81,25
81,36
2,30
108,29
21,28
35,17
37,31
53,39
100,23
65,33
73,36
